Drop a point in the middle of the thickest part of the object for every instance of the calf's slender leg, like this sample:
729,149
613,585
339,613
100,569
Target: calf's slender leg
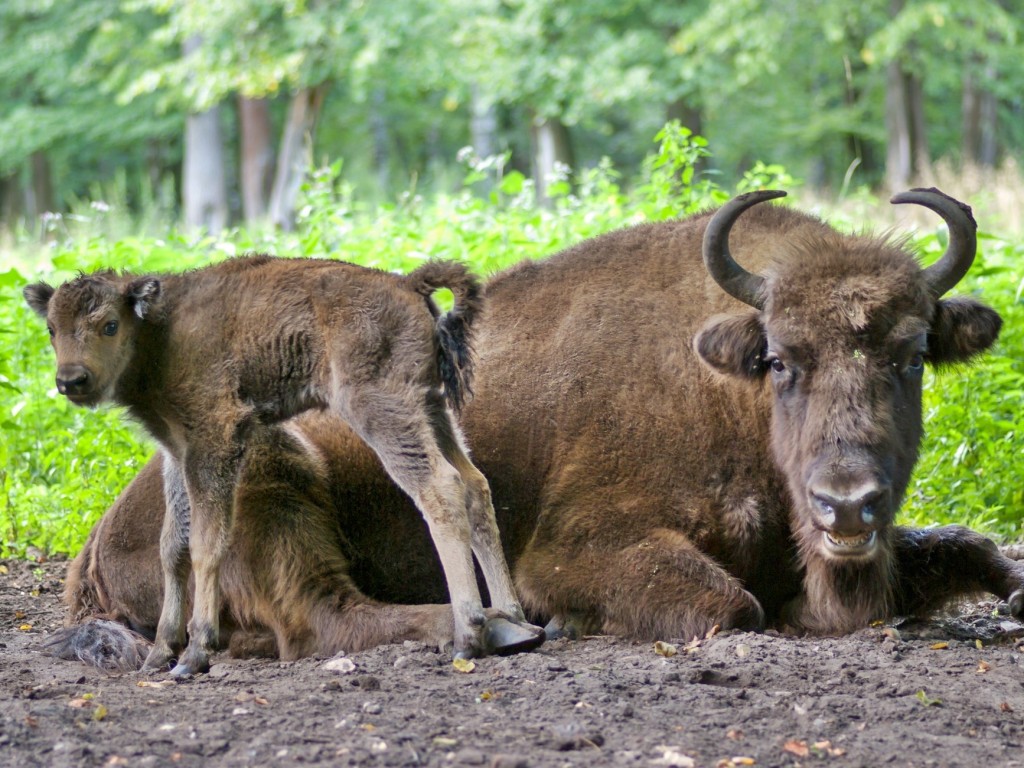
210,477
486,540
505,637
176,565
396,426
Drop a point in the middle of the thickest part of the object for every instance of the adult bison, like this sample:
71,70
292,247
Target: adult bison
673,442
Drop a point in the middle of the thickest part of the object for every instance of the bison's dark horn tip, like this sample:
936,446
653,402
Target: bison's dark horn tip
763,194
920,195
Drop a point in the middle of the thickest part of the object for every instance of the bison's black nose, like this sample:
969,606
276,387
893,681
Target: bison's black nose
73,380
850,513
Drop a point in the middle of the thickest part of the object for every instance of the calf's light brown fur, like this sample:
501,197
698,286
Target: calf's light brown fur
209,359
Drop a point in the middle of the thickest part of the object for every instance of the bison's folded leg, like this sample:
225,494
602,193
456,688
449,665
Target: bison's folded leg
938,565
657,587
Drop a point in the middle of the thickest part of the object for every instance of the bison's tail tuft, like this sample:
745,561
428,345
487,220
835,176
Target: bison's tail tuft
454,328
99,643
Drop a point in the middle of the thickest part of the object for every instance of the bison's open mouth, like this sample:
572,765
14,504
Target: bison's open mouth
850,546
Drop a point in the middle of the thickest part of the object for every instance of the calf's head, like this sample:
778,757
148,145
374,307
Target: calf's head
92,322
840,331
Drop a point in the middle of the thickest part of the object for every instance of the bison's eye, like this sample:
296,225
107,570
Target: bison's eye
914,365
49,330
110,329
777,365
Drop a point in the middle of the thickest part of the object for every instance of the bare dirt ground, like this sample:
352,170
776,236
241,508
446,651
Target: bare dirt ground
945,693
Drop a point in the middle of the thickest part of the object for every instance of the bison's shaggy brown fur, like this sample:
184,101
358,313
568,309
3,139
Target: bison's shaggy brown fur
665,458
209,359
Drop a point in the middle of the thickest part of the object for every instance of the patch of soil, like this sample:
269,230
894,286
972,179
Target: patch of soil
948,692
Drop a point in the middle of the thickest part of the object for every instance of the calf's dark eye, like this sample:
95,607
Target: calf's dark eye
916,363
777,365
49,330
110,328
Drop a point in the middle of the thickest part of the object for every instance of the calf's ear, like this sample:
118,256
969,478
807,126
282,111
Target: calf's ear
961,329
38,296
733,345
142,295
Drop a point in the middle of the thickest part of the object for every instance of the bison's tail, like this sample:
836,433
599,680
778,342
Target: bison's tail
454,329
99,643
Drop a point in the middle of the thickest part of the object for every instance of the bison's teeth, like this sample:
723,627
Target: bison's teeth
851,541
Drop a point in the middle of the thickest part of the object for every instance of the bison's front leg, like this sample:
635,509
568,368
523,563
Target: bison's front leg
938,565
176,567
658,587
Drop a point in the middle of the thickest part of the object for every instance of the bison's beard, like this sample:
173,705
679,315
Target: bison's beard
841,595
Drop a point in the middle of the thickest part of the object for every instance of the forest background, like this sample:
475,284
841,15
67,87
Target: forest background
161,134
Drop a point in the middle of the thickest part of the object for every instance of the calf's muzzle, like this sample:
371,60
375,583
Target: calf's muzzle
74,380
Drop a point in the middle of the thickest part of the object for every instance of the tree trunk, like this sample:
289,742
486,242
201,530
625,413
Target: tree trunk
295,154
204,187
551,147
39,191
988,150
907,157
10,198
690,117
922,167
257,157
970,119
483,125
381,140
979,134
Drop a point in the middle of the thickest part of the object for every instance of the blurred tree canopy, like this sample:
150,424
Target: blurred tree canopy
227,103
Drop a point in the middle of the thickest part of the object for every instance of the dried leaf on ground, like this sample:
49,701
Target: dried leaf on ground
672,756
940,646
464,665
342,665
796,747
665,649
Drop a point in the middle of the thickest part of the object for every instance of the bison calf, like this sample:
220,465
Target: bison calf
208,358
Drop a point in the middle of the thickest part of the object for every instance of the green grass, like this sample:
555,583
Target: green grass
61,467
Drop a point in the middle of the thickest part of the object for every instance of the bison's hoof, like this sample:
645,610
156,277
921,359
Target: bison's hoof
1016,604
504,637
571,627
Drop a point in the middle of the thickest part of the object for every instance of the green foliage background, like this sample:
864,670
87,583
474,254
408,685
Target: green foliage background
60,467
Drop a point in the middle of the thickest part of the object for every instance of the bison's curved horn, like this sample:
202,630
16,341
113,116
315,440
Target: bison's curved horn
963,240
734,279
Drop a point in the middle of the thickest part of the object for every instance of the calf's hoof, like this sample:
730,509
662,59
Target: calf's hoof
504,637
192,662
158,660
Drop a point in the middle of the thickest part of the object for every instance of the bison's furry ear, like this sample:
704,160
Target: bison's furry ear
733,345
142,294
38,296
961,329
